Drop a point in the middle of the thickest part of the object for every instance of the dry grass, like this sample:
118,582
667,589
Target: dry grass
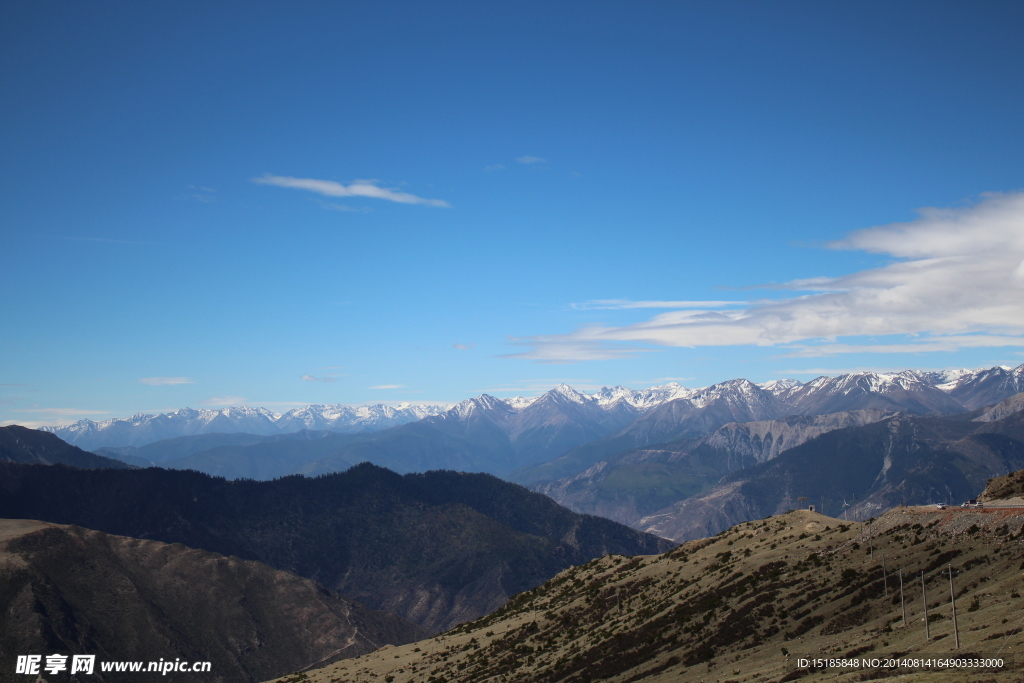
731,607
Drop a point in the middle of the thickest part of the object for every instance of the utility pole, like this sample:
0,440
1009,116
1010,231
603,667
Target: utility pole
903,605
924,598
952,601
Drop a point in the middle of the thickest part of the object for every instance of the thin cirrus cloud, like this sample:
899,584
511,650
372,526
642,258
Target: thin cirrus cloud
387,386
526,159
224,401
311,378
62,412
623,304
358,188
157,381
832,372
956,281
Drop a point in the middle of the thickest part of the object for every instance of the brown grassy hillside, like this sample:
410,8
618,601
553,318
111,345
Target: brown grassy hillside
742,606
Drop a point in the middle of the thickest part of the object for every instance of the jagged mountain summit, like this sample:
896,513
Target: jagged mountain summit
696,412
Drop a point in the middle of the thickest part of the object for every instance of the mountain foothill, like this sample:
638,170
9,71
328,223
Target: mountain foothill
67,589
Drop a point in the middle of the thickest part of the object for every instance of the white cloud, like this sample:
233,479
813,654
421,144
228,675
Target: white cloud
62,412
464,347
833,372
623,304
52,417
494,167
925,345
156,381
358,188
531,160
223,401
311,378
958,282
388,386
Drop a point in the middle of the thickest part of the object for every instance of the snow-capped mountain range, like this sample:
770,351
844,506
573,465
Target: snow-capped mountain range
922,392
143,428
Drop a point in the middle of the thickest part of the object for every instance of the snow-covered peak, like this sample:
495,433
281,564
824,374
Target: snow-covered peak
565,392
780,387
144,428
520,402
950,380
732,390
482,403
945,380
882,383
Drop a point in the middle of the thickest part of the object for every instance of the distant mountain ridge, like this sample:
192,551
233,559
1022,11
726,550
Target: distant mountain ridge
143,428
919,391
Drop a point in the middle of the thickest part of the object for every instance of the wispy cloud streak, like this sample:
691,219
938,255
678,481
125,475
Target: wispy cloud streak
358,188
623,304
157,381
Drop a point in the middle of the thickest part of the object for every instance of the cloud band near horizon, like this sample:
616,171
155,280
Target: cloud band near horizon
957,282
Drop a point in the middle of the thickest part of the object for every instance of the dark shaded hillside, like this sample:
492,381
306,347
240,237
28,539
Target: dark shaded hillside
71,590
633,484
413,447
437,548
24,445
902,459
182,446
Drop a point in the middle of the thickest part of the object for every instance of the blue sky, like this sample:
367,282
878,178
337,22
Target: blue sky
277,204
